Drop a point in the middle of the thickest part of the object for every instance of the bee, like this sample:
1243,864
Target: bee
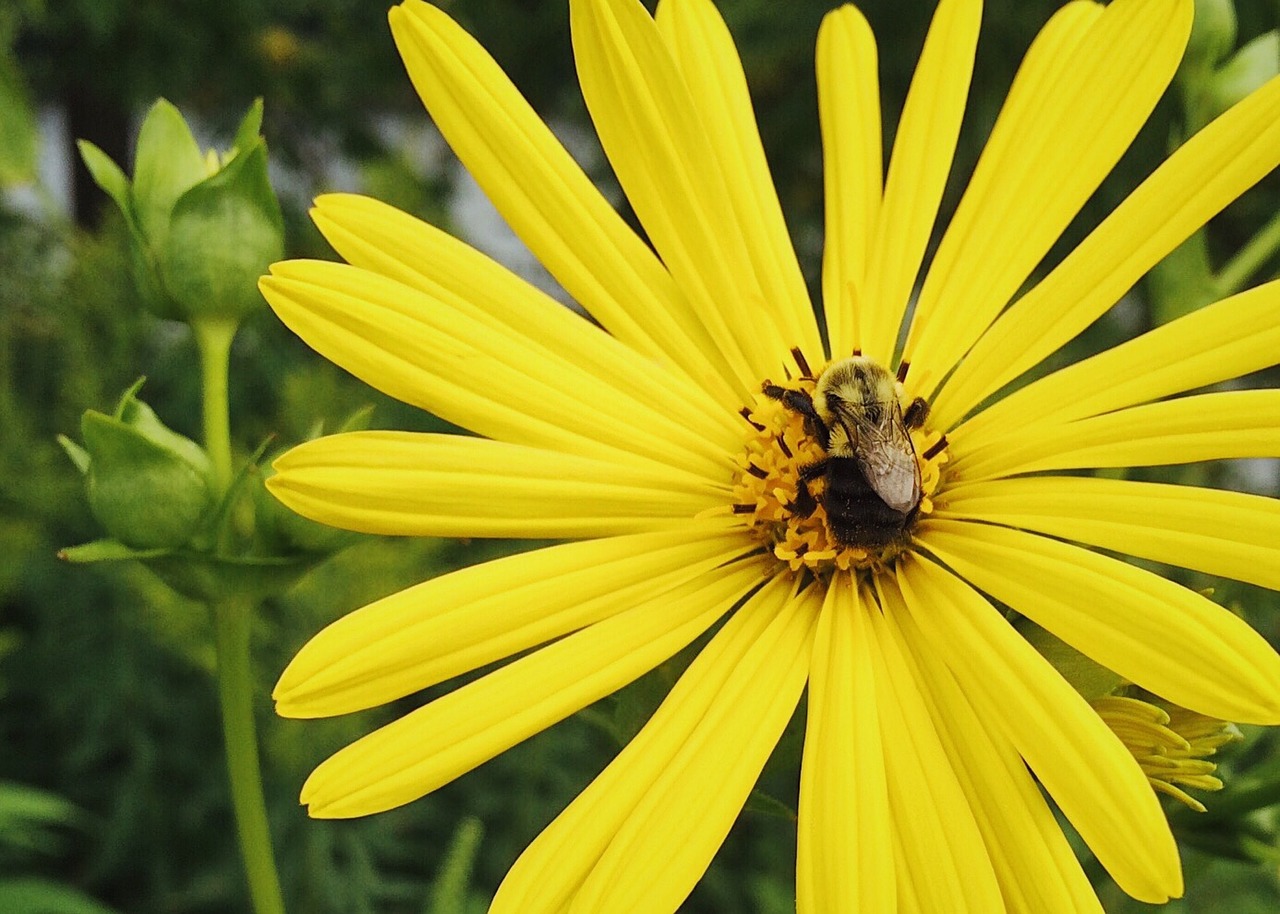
871,481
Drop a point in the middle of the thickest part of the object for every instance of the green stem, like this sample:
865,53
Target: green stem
213,339
231,621
1250,259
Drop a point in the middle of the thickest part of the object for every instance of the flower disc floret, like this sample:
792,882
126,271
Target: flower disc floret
779,445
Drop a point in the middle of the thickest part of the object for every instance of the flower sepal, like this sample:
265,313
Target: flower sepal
147,485
201,577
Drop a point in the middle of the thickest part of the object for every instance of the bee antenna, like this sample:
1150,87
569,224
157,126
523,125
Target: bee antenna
903,367
857,351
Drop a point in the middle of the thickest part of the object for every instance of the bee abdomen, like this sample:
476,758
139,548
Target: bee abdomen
856,514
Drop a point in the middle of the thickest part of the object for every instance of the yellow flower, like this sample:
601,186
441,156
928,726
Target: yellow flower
651,446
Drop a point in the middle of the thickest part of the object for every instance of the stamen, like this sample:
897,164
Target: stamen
743,509
757,472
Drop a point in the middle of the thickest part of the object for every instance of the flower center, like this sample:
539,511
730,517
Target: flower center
837,467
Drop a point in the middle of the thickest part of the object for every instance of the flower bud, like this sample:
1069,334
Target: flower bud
147,485
203,227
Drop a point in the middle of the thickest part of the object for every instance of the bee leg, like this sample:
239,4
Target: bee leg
916,413
800,402
805,504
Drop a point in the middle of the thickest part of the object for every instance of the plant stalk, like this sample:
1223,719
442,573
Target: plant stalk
231,622
213,339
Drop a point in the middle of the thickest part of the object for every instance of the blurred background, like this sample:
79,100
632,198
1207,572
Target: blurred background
112,791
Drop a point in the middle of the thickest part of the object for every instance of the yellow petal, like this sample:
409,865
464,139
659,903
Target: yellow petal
1216,426
441,354
380,238
942,863
1167,639
1225,533
845,839
686,773
443,740
409,484
703,51
1089,82
1081,763
1209,171
918,169
1033,862
662,155
460,621
853,176
547,199
1228,339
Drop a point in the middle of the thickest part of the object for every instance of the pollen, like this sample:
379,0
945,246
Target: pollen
767,492
1172,745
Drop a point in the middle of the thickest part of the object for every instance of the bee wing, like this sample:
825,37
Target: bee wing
888,460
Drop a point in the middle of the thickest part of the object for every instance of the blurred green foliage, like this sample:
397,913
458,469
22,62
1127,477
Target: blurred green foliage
107,701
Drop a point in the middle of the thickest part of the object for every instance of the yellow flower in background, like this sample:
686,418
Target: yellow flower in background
679,445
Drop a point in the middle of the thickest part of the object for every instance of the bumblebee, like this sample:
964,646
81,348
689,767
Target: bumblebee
871,481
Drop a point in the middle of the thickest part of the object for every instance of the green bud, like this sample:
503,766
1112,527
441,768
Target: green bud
147,485
203,226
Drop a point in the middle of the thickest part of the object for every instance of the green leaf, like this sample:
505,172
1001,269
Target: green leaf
23,807
40,896
223,234
168,163
250,129
106,551
79,456
107,175
449,891
17,125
